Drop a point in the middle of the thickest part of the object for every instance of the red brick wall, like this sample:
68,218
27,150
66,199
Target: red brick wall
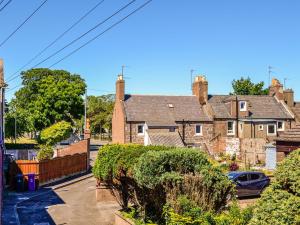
118,123
79,147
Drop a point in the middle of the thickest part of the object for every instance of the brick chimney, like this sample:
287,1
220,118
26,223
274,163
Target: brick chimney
276,89
200,89
120,88
289,97
2,84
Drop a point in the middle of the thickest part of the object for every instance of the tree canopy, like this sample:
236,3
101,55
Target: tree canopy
244,86
49,96
99,111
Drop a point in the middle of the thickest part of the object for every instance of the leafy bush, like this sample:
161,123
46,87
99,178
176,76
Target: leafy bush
280,203
150,177
45,152
190,213
55,133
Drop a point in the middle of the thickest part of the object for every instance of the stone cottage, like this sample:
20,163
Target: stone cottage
161,119
230,124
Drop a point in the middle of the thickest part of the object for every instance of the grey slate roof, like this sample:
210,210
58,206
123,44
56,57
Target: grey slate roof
259,106
155,110
171,139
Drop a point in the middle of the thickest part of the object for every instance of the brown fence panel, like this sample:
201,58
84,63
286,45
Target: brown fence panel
52,169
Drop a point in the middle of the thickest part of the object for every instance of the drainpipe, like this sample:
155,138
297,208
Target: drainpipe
183,131
130,132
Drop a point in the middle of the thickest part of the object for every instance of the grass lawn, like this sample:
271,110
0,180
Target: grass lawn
22,140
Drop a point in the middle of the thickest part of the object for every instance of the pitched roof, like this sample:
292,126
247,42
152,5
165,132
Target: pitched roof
290,135
161,110
259,106
171,139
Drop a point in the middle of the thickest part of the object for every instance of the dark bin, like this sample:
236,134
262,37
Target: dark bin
31,182
20,182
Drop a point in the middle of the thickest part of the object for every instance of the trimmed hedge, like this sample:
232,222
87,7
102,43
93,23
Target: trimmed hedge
150,177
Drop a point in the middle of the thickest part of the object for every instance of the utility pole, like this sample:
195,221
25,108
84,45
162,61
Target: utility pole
85,108
15,127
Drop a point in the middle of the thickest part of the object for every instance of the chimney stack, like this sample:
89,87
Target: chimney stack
276,89
289,97
200,89
120,88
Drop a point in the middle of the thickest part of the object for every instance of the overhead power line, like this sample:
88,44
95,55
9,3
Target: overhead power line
97,36
57,39
1,2
5,4
106,30
84,34
31,15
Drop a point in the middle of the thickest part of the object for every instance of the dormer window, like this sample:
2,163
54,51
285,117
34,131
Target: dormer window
243,106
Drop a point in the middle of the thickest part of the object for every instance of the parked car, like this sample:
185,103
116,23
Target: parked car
249,183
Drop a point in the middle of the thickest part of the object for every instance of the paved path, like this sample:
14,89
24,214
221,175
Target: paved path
72,201
73,204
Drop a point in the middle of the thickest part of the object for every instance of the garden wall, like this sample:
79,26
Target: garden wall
76,148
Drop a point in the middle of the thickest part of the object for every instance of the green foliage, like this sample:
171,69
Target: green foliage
55,133
190,213
45,152
247,87
15,121
99,111
151,176
280,203
288,173
48,96
152,166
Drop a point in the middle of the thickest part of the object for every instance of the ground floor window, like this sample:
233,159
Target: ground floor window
140,129
271,129
198,130
280,126
230,128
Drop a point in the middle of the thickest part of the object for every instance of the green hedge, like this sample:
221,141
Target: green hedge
280,203
150,177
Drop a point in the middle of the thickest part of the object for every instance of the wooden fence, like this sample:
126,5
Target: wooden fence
49,170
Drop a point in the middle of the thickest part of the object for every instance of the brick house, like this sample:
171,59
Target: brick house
230,124
160,119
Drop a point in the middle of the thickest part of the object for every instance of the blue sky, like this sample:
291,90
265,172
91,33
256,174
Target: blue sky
223,40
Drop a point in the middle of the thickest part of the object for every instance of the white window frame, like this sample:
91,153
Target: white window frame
275,130
245,106
201,130
260,127
140,134
233,128
280,129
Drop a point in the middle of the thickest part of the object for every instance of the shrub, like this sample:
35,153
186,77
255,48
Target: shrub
280,203
45,152
55,133
150,177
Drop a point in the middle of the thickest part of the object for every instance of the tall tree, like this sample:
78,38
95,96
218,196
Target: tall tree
49,96
100,109
247,87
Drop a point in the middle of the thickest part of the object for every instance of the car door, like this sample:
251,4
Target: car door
242,185
256,183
